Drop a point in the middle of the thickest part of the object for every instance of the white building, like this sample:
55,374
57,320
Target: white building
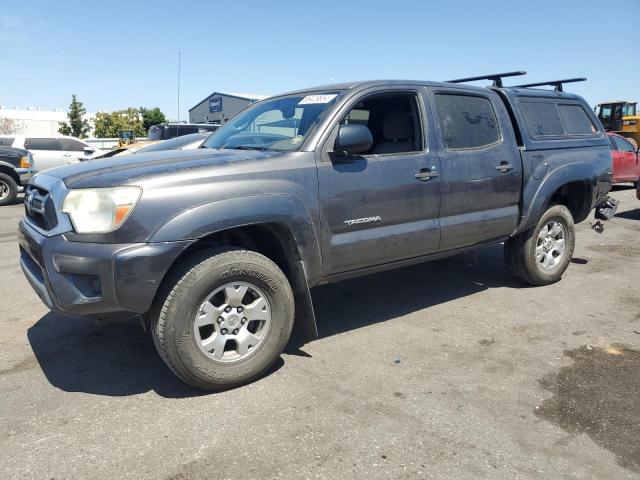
36,122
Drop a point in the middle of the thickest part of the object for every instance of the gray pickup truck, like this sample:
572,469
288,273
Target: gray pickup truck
217,248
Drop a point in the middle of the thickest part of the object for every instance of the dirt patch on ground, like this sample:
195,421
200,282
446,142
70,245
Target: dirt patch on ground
599,394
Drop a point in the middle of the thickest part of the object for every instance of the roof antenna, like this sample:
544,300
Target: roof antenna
178,116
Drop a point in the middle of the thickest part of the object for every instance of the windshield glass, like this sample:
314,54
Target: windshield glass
629,110
280,124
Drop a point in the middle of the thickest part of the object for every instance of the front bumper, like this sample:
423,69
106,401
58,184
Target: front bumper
91,279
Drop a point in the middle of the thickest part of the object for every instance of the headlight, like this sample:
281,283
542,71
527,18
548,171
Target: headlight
100,210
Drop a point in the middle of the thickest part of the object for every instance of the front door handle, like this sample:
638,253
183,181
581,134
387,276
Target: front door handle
67,154
504,167
425,174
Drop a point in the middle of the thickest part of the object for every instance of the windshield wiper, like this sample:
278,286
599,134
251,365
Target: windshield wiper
246,147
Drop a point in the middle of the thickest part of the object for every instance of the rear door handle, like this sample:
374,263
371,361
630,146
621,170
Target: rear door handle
67,154
504,167
425,175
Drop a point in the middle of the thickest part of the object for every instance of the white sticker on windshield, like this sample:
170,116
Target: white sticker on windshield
310,99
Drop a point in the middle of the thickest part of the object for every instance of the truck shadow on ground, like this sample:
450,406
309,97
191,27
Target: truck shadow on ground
629,214
117,358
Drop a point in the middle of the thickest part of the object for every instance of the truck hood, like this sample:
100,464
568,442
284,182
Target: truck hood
114,171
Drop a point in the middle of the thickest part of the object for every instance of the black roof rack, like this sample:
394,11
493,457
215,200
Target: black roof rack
496,77
554,83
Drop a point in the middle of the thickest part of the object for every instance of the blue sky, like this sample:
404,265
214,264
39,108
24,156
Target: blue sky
118,54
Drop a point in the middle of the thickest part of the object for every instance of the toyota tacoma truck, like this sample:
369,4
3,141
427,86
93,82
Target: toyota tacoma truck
217,248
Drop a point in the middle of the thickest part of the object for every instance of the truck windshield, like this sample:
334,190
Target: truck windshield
280,124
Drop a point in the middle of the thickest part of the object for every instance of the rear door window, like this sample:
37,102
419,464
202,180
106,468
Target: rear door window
6,141
42,144
576,121
542,119
466,121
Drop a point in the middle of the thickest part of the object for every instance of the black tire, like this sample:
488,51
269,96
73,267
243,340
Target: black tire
520,251
8,189
175,309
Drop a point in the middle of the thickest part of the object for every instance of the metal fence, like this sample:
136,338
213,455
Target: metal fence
103,143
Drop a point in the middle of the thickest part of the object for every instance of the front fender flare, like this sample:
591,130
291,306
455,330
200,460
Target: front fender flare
281,209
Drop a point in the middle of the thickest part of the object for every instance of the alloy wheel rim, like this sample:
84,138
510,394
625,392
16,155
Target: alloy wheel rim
550,245
4,190
232,322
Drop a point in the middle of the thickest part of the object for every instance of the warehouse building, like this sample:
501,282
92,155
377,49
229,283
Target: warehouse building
219,107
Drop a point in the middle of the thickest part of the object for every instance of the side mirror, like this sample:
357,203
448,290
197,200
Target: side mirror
89,150
353,139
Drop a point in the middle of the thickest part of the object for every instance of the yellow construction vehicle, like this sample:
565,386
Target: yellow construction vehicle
621,117
126,137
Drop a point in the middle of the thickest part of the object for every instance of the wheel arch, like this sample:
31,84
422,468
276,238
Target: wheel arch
274,227
9,170
573,185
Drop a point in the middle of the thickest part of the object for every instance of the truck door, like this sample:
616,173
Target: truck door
383,205
481,168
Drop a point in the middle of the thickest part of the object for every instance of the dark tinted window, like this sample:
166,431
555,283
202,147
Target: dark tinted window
165,132
542,118
41,144
576,121
623,145
6,141
70,145
467,121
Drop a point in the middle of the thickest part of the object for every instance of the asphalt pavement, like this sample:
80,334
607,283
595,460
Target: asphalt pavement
449,369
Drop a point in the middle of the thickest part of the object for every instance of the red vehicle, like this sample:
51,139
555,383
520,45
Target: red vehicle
626,164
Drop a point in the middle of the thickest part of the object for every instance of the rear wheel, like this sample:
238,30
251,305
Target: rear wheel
225,318
8,189
540,255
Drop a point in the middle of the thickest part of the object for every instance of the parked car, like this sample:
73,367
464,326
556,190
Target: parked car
51,152
625,158
173,130
185,142
217,248
16,169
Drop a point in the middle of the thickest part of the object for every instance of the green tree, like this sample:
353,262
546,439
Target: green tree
77,125
108,125
152,116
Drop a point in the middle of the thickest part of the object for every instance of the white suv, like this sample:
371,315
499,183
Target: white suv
49,152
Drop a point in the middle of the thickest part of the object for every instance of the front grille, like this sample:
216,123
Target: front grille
39,208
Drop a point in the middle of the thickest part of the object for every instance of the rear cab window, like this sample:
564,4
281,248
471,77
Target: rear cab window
467,121
547,119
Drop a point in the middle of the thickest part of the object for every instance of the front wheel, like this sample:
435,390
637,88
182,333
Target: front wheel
223,318
8,189
540,255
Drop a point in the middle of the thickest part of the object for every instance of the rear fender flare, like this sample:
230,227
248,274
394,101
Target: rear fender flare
540,197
